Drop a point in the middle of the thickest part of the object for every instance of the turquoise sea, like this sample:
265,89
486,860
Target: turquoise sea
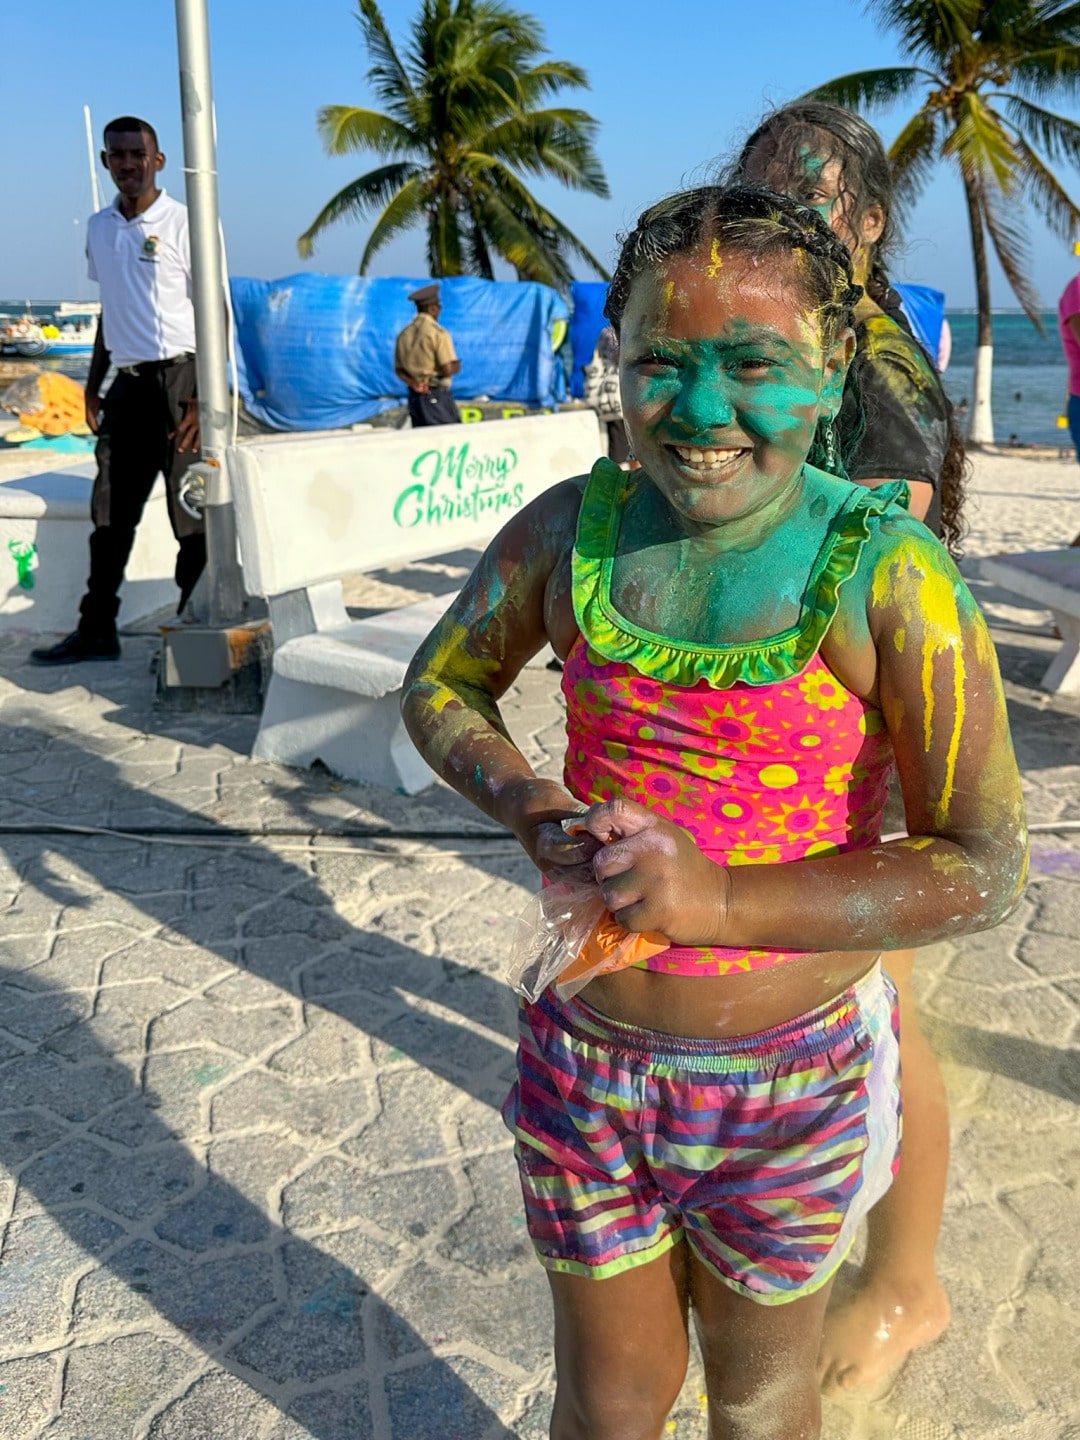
1029,371
1029,375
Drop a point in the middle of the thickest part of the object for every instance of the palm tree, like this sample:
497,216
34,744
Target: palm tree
985,69
464,119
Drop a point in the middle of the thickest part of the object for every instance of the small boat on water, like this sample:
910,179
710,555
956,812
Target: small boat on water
71,332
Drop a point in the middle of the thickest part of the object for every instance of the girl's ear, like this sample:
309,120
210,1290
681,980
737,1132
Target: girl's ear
872,225
835,371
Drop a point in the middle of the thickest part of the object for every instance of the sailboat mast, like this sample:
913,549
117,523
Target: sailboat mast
95,190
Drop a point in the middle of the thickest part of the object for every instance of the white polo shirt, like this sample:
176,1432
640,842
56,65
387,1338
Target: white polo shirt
144,269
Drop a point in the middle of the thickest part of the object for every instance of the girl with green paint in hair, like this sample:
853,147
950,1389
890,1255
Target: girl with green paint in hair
749,643
895,423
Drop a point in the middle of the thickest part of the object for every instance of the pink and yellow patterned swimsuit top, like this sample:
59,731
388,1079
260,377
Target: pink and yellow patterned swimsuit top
757,748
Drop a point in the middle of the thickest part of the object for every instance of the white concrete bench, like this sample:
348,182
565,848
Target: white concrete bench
1051,578
312,509
45,516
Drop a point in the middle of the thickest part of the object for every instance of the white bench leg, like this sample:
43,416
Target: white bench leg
1063,676
354,736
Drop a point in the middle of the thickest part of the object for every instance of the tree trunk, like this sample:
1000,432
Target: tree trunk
981,429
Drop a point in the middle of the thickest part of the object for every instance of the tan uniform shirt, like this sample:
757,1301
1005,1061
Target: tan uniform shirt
423,348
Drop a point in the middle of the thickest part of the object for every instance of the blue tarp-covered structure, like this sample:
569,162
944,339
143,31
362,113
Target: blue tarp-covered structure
316,352
925,309
586,323
923,306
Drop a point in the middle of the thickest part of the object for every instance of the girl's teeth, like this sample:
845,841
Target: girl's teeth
693,456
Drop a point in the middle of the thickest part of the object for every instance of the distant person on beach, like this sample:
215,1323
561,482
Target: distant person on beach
895,423
1069,325
425,359
749,641
147,423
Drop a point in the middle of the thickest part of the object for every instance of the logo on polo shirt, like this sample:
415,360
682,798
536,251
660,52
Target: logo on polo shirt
150,246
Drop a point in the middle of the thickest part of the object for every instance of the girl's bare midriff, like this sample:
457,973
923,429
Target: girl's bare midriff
712,1007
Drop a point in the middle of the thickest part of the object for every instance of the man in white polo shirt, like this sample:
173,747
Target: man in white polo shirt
139,252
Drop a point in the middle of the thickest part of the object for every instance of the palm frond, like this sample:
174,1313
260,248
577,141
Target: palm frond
912,156
1053,134
549,77
347,128
1046,73
389,78
1046,194
521,244
550,142
980,143
930,29
1049,24
401,213
377,187
1011,248
501,180
872,89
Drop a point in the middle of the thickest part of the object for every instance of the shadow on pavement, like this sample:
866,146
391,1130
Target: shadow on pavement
94,1145
1044,1067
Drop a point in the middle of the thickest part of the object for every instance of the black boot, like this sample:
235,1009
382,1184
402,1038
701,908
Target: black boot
79,645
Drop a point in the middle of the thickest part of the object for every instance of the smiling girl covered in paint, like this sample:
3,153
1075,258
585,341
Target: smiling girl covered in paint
747,643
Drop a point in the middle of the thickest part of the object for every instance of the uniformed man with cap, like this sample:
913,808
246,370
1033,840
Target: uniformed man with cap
425,359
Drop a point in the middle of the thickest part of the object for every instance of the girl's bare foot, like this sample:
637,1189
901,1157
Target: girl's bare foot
869,1332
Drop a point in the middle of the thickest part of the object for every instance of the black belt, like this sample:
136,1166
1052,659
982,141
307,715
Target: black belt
149,367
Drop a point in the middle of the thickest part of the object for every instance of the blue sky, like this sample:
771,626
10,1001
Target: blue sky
674,85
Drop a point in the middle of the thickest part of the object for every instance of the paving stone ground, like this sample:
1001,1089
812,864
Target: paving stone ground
253,1182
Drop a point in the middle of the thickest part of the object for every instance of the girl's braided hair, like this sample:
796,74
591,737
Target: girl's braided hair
784,140
756,222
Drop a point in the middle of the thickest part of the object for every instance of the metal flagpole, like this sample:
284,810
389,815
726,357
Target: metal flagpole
95,189
200,168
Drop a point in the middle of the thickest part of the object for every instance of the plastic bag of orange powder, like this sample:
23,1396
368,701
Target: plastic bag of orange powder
566,936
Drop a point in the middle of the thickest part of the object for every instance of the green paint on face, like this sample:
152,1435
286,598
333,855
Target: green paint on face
724,359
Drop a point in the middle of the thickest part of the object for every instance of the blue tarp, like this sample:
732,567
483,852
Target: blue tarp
587,298
925,309
315,352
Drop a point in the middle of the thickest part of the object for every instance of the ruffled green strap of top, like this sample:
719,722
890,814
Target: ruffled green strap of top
761,662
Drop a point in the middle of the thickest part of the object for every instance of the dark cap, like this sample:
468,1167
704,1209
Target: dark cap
426,295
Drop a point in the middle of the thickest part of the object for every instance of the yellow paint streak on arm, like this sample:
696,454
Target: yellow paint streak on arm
926,596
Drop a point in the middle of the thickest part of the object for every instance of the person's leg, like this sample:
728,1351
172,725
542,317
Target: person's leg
898,1303
127,461
760,1360
178,387
445,407
419,410
611,1243
620,1350
133,452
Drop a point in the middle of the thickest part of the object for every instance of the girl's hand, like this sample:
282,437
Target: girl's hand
652,875
533,810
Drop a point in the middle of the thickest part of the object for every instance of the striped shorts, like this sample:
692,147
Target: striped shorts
763,1152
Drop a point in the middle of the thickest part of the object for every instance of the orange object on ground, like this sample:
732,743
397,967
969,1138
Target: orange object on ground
60,404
